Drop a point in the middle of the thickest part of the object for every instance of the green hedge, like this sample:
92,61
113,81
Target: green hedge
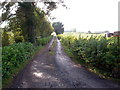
99,52
43,41
14,55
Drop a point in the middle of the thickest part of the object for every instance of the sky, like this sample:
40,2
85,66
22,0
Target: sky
89,15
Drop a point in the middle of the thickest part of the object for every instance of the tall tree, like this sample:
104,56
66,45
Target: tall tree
28,26
58,27
26,17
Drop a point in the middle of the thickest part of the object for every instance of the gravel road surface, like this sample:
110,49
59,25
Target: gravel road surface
52,68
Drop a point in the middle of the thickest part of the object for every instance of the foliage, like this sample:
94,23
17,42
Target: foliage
19,39
28,20
43,41
28,23
43,26
58,27
14,55
27,27
96,51
5,39
7,7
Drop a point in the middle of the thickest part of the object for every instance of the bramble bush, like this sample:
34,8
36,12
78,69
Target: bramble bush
97,51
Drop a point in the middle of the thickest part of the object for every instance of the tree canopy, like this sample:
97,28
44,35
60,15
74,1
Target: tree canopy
58,27
28,22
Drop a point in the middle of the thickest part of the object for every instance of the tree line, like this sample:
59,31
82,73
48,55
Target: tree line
28,24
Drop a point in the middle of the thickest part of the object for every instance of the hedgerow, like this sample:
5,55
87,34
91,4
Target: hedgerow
16,55
96,51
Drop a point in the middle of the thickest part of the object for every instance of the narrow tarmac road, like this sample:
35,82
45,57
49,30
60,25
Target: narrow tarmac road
52,68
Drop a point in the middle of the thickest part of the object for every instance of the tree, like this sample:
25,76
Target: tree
58,27
26,17
28,26
89,32
106,31
6,7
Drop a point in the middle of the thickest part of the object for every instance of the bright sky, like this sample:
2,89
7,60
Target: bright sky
85,15
88,15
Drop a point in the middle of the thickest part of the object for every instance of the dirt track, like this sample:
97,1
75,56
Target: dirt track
52,68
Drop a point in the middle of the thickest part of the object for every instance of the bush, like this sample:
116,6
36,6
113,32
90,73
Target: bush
43,41
19,39
5,39
14,55
17,55
98,51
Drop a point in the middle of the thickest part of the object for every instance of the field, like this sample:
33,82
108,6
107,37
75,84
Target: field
94,51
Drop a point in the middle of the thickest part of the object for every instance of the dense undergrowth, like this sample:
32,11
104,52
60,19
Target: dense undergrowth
96,52
16,56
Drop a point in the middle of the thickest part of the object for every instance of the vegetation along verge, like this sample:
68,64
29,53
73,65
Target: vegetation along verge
96,52
16,56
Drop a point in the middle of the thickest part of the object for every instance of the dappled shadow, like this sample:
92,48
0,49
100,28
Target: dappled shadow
58,71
